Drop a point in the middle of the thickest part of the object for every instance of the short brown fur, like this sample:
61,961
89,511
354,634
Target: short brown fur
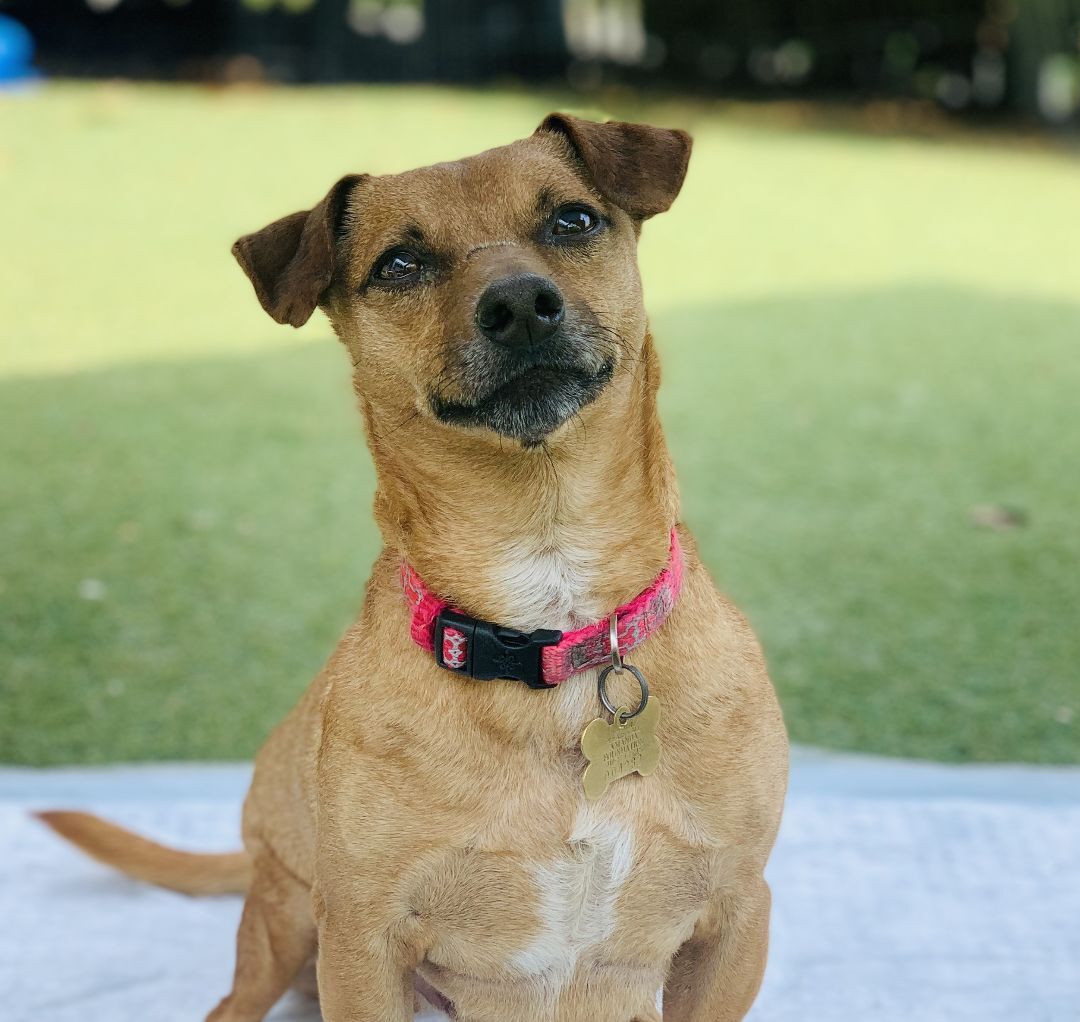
415,828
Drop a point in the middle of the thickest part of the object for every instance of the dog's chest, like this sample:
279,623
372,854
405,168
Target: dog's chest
576,894
605,906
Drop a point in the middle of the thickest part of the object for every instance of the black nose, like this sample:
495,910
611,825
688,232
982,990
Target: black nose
523,309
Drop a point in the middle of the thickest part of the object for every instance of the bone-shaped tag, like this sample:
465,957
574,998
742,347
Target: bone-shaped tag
620,748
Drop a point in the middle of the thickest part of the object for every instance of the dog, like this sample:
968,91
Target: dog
430,818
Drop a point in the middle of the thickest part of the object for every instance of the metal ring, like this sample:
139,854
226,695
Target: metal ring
613,641
601,685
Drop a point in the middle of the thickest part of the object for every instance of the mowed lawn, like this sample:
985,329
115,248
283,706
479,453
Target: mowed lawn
871,345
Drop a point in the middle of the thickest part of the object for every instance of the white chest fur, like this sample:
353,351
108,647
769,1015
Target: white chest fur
577,896
547,585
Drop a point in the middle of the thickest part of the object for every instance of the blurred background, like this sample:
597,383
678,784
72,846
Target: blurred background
972,56
867,300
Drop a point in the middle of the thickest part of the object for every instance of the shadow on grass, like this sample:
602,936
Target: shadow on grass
183,543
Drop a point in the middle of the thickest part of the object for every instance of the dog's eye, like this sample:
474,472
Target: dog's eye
573,222
398,267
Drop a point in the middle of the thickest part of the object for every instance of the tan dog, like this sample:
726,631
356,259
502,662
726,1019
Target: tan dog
418,828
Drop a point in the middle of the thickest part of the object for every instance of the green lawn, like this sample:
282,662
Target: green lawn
864,338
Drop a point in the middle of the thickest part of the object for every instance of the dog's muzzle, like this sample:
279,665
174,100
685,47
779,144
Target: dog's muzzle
533,364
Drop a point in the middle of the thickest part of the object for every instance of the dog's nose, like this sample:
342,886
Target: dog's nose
523,309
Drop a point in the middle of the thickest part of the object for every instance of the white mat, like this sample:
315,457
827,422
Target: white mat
902,893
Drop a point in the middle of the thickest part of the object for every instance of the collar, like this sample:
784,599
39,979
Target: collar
544,658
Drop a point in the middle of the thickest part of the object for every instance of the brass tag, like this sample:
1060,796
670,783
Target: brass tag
620,748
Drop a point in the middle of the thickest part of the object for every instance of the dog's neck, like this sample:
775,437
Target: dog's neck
550,537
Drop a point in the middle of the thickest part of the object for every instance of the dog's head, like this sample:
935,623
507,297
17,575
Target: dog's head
497,293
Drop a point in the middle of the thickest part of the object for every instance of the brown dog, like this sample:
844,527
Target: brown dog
417,828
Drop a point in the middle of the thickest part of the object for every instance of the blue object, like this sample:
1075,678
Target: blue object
16,52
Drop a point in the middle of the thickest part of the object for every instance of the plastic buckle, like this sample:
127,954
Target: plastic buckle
492,651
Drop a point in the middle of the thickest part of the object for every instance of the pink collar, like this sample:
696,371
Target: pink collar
544,658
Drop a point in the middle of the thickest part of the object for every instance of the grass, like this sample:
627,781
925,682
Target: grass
864,338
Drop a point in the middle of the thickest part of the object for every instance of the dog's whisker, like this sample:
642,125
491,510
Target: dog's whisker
554,476
412,416
582,427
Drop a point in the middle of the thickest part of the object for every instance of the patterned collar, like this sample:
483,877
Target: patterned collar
544,658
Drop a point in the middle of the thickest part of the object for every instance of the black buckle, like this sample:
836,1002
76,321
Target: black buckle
492,651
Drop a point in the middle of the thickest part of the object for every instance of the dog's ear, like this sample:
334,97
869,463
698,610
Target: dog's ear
638,167
291,261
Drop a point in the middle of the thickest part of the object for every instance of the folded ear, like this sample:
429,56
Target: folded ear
291,261
638,167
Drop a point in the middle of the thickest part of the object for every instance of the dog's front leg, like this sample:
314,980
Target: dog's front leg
717,973
364,975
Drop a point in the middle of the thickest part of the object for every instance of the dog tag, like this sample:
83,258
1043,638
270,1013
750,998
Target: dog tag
623,747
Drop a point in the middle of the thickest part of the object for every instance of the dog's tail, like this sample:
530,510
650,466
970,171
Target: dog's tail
186,872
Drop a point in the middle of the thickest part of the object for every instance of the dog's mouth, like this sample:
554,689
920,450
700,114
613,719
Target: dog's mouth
531,404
